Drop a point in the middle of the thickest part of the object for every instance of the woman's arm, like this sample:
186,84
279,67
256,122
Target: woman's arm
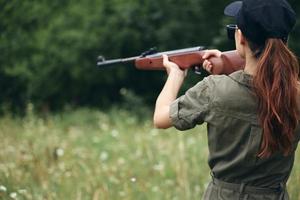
168,94
171,88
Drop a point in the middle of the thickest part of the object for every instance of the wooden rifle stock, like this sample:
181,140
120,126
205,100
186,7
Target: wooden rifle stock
229,61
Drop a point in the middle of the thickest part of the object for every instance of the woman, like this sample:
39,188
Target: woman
252,115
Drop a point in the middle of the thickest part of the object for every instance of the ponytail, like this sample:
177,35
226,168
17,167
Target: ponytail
276,88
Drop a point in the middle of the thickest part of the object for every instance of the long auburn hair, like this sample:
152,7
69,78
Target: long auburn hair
276,87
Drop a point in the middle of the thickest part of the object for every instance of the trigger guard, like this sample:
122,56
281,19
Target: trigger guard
198,70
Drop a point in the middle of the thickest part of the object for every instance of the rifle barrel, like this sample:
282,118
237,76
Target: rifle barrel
174,52
116,61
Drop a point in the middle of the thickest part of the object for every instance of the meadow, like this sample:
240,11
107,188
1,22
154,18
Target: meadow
87,154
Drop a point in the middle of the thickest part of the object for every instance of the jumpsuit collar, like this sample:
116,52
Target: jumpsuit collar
242,77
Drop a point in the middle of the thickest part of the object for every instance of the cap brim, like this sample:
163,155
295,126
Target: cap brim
233,8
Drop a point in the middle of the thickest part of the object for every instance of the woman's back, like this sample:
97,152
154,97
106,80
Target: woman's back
253,123
234,135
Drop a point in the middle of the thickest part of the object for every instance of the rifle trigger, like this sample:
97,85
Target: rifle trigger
197,70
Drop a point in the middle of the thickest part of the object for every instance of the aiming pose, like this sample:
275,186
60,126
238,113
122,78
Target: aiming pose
252,115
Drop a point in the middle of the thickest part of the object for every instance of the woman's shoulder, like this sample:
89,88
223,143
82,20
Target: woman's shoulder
233,92
229,82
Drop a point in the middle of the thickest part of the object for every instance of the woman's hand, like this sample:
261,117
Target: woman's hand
172,67
207,65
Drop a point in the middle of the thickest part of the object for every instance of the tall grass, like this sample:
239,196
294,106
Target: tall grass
88,154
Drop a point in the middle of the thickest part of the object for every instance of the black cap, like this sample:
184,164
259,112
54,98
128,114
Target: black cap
262,19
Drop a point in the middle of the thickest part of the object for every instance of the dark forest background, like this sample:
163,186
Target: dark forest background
48,49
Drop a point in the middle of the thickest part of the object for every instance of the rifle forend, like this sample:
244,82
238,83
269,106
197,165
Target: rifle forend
186,58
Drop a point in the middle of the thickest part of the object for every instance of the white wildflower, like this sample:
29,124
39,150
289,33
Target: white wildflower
115,133
133,179
13,195
103,156
59,152
3,188
103,126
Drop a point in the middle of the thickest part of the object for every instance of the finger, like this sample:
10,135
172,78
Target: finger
205,63
209,53
213,52
205,55
165,59
216,53
209,69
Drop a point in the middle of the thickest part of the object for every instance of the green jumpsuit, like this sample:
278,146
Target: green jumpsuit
229,107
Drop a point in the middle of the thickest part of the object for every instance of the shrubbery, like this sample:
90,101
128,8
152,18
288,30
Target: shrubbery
49,48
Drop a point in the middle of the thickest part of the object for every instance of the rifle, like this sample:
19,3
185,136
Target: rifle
186,58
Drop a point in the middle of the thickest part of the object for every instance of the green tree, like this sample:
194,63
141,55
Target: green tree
49,48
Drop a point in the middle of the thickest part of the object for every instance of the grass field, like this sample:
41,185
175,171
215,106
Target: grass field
92,155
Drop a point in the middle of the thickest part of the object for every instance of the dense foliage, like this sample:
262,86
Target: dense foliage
49,48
